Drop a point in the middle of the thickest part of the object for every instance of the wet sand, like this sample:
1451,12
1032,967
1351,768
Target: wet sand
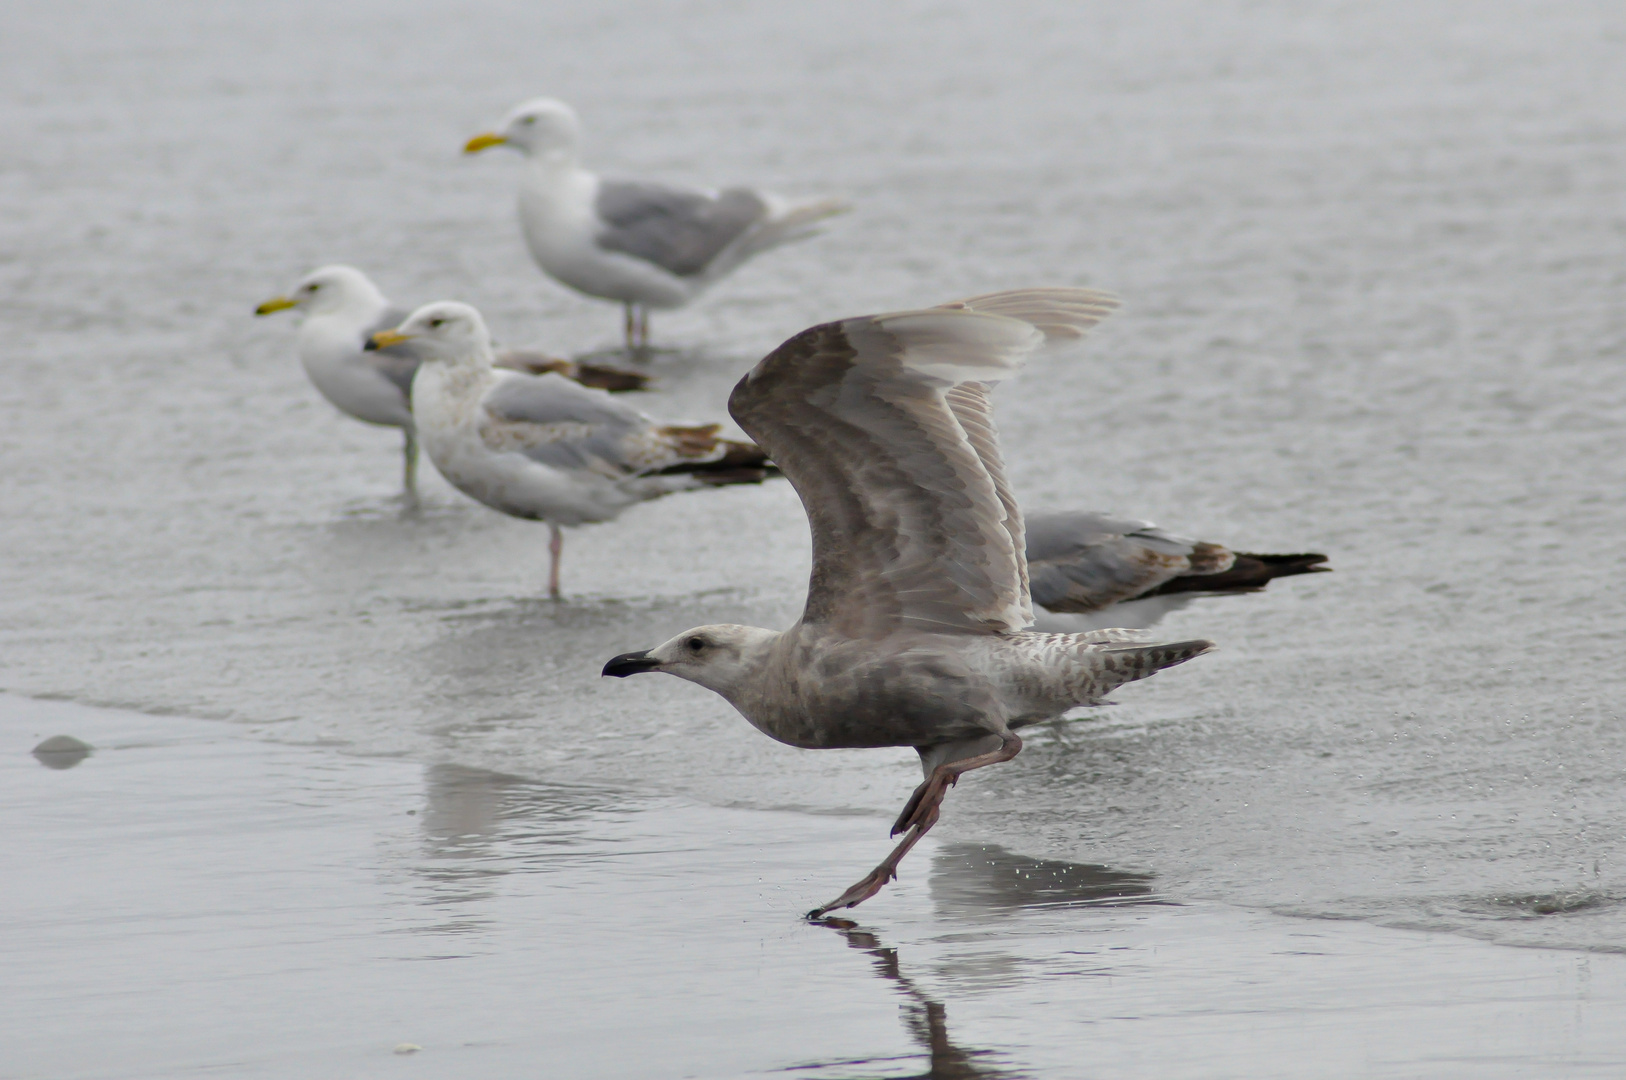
187,901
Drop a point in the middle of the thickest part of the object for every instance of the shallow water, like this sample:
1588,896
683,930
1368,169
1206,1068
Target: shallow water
198,902
1371,260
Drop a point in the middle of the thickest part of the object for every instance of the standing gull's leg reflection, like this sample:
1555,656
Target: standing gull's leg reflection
479,826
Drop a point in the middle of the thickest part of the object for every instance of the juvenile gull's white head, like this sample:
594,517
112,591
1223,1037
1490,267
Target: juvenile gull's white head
536,127
443,331
722,657
328,289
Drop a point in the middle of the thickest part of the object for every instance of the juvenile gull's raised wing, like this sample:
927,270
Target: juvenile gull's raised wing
681,230
882,425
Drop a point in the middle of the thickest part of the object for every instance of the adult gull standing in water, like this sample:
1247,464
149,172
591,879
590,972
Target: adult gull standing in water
646,244
343,308
542,447
914,629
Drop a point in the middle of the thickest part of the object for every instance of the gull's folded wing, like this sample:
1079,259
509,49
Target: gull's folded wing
1080,561
562,424
678,229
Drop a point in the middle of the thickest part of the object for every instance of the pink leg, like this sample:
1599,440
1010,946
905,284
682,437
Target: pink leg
556,547
946,776
643,327
631,328
919,815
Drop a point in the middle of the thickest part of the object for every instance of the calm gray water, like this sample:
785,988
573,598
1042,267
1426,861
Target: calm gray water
1372,261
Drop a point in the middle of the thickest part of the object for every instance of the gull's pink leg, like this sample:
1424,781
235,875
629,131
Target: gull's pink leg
919,815
946,776
643,327
877,878
556,547
631,326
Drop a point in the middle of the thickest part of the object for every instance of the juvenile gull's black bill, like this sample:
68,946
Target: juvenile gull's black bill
630,663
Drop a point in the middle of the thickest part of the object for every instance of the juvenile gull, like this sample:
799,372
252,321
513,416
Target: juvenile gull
343,308
913,633
540,446
646,244
1090,571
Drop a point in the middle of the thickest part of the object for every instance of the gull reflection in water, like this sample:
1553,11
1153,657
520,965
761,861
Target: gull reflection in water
969,881
477,814
479,826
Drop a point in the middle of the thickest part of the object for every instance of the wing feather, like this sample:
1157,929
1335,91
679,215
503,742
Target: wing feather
1057,313
972,406
560,423
1081,561
883,426
678,229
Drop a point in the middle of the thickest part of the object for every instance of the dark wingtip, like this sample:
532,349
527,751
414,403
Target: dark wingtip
1249,573
615,380
741,463
1287,565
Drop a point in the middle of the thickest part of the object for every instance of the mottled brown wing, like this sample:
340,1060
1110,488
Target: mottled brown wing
911,527
972,406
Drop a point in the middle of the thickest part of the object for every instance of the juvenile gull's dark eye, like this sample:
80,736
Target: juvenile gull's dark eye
696,644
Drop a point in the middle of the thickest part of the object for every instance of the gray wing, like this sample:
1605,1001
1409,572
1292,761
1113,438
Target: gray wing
678,229
972,406
882,425
1080,561
565,425
397,364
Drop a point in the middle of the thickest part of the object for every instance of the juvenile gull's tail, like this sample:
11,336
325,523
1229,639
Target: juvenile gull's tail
1116,663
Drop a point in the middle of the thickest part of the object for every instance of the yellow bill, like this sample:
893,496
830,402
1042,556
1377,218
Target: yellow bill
275,304
483,142
385,338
